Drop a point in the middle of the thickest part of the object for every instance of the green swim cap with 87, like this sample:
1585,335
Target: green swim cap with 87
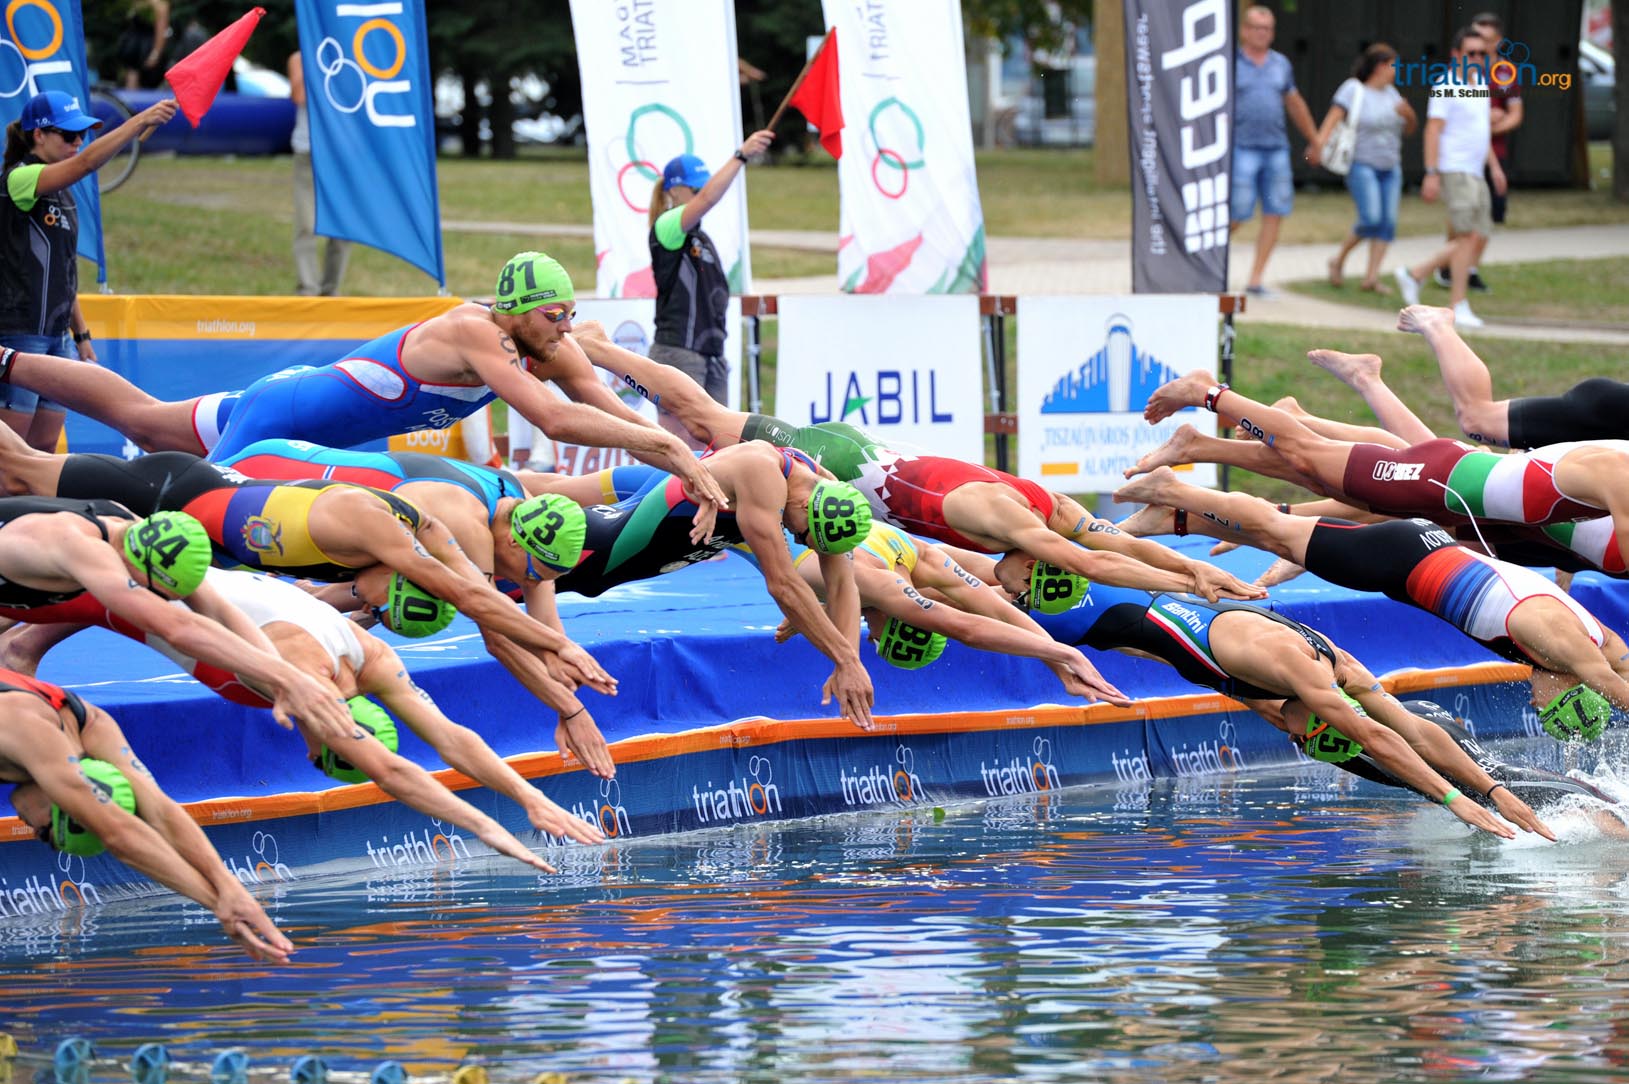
531,279
1326,743
370,717
172,548
1580,712
551,528
110,784
413,611
1054,590
839,517
908,647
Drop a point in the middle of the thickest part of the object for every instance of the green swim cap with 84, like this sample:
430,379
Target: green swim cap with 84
1054,590
413,611
172,548
1580,712
376,721
551,528
839,517
909,647
110,784
531,279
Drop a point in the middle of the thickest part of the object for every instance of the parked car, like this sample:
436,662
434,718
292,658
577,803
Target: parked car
1597,69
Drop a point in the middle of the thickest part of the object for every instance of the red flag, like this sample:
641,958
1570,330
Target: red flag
197,78
817,98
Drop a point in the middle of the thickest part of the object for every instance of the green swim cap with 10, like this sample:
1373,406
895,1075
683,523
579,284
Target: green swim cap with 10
551,528
908,647
839,517
172,548
531,279
412,611
110,785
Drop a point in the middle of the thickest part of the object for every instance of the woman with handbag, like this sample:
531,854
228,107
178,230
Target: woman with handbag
1362,137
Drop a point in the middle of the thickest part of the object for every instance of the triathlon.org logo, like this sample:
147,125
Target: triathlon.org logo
427,848
1022,775
1220,755
609,815
1117,379
1130,767
35,896
880,785
755,795
262,864
1511,65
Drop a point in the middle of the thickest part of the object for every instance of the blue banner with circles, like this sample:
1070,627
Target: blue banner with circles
373,149
42,47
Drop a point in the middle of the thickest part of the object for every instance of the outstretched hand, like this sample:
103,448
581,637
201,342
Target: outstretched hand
1519,813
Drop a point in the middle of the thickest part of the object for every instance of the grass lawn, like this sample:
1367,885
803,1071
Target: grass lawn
1574,292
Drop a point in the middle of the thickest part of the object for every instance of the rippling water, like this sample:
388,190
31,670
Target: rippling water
1280,928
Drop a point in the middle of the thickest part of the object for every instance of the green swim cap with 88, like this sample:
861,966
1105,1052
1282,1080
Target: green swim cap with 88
370,717
1054,590
172,548
839,517
551,528
1326,743
413,611
1580,712
110,784
531,279
908,647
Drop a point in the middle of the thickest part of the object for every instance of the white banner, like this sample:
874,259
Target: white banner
911,220
1086,366
904,369
659,80
631,323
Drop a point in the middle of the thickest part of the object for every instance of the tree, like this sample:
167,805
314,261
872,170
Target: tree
1620,97
1042,25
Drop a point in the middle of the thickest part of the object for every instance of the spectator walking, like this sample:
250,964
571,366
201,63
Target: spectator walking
39,240
1375,178
1458,148
1264,90
309,281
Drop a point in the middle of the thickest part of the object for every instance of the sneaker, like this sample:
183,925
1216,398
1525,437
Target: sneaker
1262,292
1476,283
1442,278
1407,286
1464,317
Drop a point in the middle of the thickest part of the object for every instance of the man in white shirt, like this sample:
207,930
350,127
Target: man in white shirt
1458,147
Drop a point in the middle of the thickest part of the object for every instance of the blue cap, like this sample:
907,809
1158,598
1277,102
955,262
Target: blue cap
54,109
687,170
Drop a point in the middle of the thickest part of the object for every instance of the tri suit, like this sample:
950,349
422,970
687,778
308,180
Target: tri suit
20,602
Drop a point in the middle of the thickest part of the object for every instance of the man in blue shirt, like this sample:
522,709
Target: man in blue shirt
1264,87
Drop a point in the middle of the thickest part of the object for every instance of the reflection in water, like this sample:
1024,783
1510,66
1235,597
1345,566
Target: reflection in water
1293,928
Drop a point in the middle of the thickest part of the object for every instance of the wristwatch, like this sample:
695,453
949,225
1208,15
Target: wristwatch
1431,171
739,157
81,337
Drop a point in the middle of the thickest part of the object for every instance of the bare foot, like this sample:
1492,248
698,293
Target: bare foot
1149,521
1184,391
1335,271
1291,405
1420,319
1349,369
1280,571
1149,489
1177,450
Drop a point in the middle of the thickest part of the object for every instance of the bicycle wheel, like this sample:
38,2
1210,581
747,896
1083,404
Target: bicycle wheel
109,108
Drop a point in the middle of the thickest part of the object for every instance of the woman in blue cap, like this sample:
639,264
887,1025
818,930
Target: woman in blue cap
692,287
39,233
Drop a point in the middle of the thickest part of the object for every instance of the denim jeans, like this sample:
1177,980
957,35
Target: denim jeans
1263,174
1376,193
20,399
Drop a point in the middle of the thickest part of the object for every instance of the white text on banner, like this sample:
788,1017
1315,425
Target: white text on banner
1086,366
904,369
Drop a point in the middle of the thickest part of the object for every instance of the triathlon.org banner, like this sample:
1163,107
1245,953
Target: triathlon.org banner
1080,407
373,130
1179,75
904,369
663,83
911,218
42,47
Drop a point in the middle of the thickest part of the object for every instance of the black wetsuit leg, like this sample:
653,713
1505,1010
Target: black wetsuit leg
1594,409
141,485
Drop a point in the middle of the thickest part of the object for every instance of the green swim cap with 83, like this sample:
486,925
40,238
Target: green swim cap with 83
839,517
531,279
110,784
172,548
551,528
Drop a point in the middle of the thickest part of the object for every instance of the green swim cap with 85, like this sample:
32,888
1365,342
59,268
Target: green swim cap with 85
531,279
370,717
413,611
908,647
172,548
839,517
1054,590
1328,744
110,784
1580,712
551,528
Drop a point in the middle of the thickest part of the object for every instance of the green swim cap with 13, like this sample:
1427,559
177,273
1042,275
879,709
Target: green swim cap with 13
551,528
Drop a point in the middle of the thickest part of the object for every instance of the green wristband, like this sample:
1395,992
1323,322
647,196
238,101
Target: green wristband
1448,799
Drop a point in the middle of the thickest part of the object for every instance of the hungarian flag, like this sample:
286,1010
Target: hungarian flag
198,77
816,97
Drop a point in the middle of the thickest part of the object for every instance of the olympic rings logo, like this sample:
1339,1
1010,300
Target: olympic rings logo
352,83
656,133
896,161
29,23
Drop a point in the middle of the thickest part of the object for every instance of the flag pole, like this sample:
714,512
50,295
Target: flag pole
774,120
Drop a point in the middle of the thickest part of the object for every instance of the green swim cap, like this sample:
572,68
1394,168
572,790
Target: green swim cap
551,528
531,279
1054,590
370,717
908,647
1580,712
173,549
839,517
413,611
1329,744
110,784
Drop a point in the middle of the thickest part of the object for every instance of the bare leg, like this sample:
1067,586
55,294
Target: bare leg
25,471
1265,242
22,647
1337,262
17,421
1243,517
107,397
1361,373
1377,256
1188,445
1465,375
45,430
703,417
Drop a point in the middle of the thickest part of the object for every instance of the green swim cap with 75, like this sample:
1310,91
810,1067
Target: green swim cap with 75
172,548
110,785
1328,744
551,528
839,517
413,611
531,279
